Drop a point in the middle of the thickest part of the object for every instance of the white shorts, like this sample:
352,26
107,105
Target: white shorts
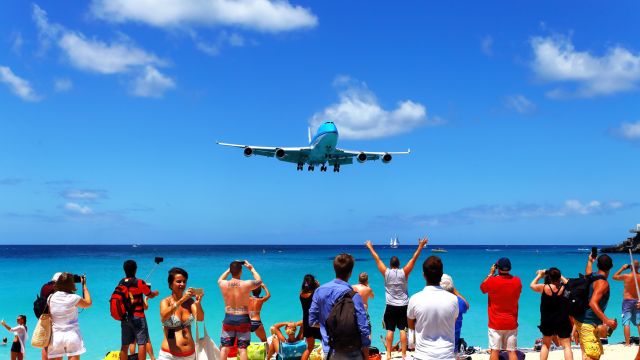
66,343
164,355
503,339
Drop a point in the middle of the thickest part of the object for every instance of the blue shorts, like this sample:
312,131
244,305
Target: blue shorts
630,312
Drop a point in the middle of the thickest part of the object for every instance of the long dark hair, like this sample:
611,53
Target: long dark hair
309,284
24,320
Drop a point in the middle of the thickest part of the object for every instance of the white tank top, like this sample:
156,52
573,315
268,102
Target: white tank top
395,286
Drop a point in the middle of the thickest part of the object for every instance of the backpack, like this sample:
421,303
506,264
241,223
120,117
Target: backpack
40,303
342,326
120,302
577,292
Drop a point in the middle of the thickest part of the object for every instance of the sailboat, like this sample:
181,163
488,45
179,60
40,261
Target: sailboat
394,242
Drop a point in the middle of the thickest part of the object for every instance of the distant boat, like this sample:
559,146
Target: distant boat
394,243
135,245
439,250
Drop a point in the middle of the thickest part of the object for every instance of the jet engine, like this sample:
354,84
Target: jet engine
280,153
362,157
386,158
248,151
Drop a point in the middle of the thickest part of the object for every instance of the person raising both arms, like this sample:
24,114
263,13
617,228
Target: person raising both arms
235,293
255,307
396,294
630,312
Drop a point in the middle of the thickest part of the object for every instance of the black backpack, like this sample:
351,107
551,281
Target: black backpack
577,292
342,325
40,303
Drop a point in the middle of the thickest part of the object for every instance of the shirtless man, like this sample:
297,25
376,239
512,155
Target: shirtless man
630,312
236,323
363,289
255,307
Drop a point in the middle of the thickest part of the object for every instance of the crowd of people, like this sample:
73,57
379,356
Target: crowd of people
337,313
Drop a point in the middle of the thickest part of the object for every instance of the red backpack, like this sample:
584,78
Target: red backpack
120,302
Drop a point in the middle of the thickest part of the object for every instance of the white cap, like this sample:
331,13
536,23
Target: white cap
56,276
446,282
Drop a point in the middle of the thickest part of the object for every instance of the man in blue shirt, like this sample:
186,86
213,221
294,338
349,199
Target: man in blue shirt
325,298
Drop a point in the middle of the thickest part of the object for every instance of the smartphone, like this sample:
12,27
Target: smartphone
158,259
243,262
594,252
198,291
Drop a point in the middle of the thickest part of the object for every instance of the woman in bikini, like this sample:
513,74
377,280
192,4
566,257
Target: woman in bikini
255,306
177,312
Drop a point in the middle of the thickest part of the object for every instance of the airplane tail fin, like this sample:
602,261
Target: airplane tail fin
309,134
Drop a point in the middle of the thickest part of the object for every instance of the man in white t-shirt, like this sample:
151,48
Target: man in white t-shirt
432,314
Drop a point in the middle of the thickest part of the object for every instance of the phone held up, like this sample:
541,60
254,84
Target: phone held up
594,252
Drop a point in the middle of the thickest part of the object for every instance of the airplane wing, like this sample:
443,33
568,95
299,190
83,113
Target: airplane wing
288,154
366,155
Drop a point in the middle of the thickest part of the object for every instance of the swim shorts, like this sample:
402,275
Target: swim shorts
255,324
134,329
15,347
236,327
589,340
630,312
395,317
503,339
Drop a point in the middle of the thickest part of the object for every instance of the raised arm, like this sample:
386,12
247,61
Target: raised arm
168,307
300,335
196,308
457,293
588,270
484,285
267,294
223,277
257,280
85,301
381,267
534,283
5,325
618,276
276,331
409,267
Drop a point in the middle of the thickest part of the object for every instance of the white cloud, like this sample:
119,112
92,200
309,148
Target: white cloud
17,42
62,84
17,85
513,212
78,209
151,83
557,60
97,56
77,194
520,104
629,131
487,45
358,115
117,57
261,15
213,48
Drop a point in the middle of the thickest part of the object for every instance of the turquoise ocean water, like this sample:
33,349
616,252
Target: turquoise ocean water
25,268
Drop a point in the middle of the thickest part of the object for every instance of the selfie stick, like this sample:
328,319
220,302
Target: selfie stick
152,270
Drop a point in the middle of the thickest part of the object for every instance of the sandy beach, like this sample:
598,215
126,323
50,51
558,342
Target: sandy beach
611,352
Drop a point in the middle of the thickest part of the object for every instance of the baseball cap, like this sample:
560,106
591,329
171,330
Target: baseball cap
446,283
504,264
56,276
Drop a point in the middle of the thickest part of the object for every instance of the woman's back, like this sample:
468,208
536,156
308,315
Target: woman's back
553,305
64,310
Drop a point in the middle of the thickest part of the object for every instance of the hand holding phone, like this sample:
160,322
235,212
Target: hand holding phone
198,291
594,253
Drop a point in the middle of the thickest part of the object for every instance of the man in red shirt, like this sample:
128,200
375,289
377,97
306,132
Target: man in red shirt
504,292
134,325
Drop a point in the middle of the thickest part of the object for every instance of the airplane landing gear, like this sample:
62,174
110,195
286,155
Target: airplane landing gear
323,168
300,167
310,168
336,168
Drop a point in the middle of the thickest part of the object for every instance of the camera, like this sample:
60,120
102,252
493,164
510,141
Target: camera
77,278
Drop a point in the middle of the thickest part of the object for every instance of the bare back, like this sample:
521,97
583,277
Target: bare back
630,292
235,293
255,307
365,293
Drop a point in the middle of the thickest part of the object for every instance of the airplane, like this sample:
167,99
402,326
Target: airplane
321,151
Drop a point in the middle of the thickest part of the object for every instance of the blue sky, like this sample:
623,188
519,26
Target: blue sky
522,118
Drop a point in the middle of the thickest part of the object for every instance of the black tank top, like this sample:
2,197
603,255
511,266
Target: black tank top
553,307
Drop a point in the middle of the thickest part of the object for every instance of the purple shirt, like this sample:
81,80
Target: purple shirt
323,300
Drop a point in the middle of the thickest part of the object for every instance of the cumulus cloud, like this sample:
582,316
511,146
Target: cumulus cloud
77,209
261,15
557,60
358,114
78,194
62,84
514,212
487,45
151,83
520,103
17,85
629,131
120,56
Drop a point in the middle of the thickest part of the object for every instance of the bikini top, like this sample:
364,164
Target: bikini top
174,322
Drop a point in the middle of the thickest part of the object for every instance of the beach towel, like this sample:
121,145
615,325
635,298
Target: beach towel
206,348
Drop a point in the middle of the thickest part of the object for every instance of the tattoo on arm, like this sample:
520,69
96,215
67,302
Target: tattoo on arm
256,283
